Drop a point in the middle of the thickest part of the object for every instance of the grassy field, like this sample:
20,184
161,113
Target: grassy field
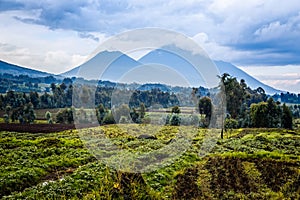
247,164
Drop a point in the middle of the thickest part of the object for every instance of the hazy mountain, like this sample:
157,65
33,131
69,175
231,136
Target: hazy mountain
169,63
148,87
17,70
225,67
106,65
156,65
177,61
181,63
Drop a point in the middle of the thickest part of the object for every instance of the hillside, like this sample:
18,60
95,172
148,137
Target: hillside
106,65
171,59
17,70
248,164
225,67
119,64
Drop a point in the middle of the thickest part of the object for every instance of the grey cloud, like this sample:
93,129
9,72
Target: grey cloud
269,33
89,36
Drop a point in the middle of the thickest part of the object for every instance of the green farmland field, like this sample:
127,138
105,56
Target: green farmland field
246,164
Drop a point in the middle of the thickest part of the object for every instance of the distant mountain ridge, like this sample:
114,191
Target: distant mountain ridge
225,67
120,64
123,63
167,58
17,70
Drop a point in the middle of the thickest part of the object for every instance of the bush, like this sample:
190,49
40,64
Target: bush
65,116
123,120
204,122
146,120
192,120
48,116
167,119
176,110
175,120
109,119
230,123
6,118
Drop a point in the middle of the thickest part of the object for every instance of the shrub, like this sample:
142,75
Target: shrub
109,119
123,120
65,116
6,118
230,123
175,120
146,120
48,116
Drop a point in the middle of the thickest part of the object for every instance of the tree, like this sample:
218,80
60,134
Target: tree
266,114
34,99
100,113
48,116
6,118
176,110
273,114
234,94
109,118
7,110
28,114
205,107
175,120
230,124
63,86
142,111
168,118
258,114
287,118
65,116
122,110
135,116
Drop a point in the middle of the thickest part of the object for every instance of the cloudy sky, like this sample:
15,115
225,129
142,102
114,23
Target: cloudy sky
260,36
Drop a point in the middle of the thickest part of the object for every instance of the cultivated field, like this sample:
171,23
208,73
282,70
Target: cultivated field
247,164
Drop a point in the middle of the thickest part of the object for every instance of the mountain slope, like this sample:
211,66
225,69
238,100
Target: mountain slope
106,65
171,59
225,67
114,65
17,70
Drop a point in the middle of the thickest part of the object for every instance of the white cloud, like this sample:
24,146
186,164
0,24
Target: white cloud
60,61
242,32
286,78
38,47
279,29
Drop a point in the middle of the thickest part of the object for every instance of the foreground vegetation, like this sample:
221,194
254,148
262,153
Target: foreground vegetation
246,164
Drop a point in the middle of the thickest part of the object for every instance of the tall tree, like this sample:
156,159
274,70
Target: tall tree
142,111
266,114
205,107
234,94
287,118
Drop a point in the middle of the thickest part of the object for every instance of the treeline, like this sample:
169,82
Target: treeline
24,83
246,107
61,96
253,108
124,114
23,114
287,98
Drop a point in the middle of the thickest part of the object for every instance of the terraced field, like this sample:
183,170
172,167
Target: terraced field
247,164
